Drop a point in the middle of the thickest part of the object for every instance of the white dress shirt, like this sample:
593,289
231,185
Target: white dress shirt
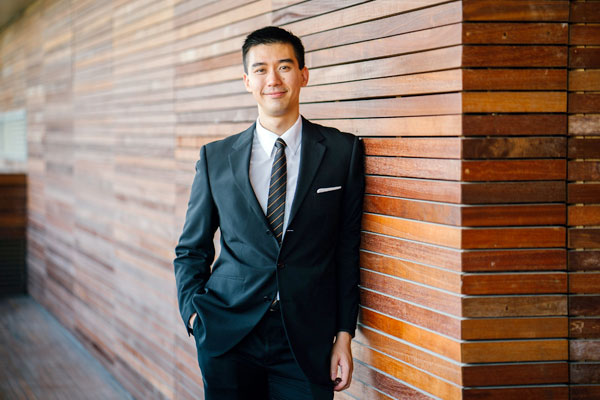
261,161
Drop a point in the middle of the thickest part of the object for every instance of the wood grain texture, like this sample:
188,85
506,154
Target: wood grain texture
514,79
515,33
515,10
514,328
514,56
507,351
514,124
515,374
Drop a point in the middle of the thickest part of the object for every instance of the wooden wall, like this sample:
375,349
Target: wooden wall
470,110
13,223
584,200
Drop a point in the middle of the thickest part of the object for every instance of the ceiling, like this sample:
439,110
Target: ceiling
10,9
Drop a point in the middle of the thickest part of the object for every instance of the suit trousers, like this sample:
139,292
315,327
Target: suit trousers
260,367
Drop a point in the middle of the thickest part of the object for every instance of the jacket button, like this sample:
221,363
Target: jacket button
280,265
266,299
268,232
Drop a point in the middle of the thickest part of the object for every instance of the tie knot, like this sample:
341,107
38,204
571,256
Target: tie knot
280,143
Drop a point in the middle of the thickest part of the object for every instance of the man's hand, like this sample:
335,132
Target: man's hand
341,356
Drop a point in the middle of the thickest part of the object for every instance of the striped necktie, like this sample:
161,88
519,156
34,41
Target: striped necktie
277,190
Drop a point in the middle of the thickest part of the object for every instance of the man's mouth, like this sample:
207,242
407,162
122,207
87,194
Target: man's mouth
275,95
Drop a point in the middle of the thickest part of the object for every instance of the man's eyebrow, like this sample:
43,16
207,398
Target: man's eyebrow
283,60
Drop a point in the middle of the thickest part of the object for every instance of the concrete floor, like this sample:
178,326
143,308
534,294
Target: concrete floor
40,359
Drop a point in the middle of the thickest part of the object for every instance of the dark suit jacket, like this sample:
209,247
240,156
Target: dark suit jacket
316,269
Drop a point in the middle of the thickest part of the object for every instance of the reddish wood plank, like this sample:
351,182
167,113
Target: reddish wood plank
513,125
482,238
588,57
515,10
510,215
584,34
514,79
433,125
528,147
414,147
411,313
515,33
513,192
518,393
515,374
413,334
514,170
514,260
514,56
584,102
414,188
441,235
584,282
414,251
411,271
414,167
410,354
419,210
521,283
583,192
584,215
583,392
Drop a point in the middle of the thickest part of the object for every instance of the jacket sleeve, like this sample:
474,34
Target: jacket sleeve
348,245
195,251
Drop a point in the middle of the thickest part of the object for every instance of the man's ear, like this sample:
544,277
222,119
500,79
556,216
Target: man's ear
246,82
304,76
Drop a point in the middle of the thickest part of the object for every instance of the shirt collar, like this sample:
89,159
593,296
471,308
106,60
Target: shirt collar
291,137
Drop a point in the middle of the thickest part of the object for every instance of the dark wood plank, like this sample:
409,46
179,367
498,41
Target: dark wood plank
584,34
584,260
528,147
520,283
514,79
509,215
582,305
518,393
584,57
583,392
414,167
514,56
514,192
510,351
515,10
515,374
514,260
584,328
514,125
515,33
584,12
584,80
584,238
584,148
584,373
584,102
583,192
514,306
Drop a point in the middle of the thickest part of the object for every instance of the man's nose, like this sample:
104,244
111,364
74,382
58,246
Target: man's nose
273,78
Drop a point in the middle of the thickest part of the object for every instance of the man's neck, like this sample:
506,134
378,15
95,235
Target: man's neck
278,125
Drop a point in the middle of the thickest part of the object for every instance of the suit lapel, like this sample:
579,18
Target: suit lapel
239,161
312,153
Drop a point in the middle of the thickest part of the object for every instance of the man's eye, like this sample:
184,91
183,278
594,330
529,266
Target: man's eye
259,71
285,67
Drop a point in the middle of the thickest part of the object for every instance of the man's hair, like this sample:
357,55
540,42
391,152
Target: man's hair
271,35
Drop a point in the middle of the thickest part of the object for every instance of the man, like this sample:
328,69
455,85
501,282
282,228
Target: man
275,316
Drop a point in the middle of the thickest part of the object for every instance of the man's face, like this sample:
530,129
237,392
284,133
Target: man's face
274,79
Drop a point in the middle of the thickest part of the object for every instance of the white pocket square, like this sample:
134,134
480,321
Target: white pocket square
328,189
